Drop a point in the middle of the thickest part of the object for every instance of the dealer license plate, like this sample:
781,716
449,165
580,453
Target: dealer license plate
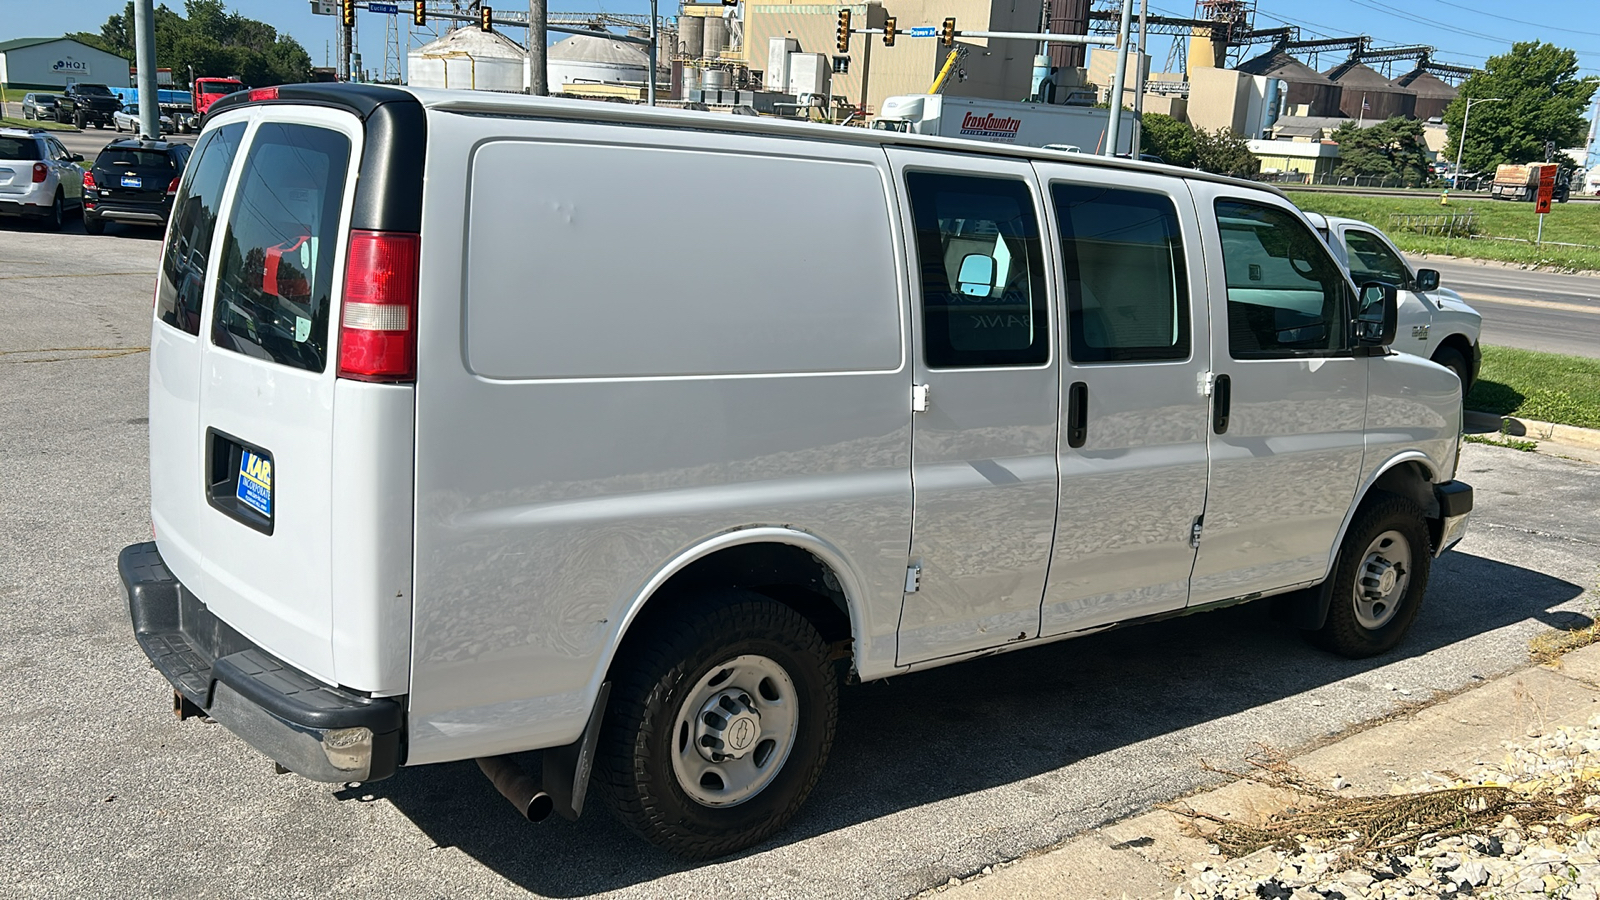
255,482
132,181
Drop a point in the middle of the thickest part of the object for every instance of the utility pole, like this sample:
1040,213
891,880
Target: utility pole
655,43
1461,139
1114,128
538,70
144,56
1138,83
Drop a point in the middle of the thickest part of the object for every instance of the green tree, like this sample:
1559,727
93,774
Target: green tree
1169,139
1391,149
1541,99
212,41
1224,152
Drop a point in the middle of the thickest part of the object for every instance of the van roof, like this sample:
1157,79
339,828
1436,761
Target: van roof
362,98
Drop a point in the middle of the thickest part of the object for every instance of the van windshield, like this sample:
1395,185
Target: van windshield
276,284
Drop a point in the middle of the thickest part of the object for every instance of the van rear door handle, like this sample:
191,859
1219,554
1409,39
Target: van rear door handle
1077,414
1221,400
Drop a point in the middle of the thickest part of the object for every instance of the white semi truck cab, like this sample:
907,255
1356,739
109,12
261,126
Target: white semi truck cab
1003,122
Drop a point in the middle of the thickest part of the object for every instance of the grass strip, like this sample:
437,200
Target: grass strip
1505,229
43,125
1548,387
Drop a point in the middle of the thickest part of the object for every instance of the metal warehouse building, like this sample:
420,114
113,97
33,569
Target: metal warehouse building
43,64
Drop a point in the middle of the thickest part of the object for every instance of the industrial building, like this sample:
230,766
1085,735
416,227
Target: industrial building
46,64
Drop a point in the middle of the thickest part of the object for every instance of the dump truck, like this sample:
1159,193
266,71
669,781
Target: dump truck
1521,182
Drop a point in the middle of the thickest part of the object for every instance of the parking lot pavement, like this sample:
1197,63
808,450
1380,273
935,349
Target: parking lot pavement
104,793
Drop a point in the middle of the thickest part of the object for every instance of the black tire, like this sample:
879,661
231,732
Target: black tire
1359,626
635,763
80,122
1455,361
58,214
94,224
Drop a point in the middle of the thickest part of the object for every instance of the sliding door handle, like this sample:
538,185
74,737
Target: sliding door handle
1077,414
1221,400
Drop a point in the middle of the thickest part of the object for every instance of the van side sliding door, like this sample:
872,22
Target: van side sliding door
1133,429
987,382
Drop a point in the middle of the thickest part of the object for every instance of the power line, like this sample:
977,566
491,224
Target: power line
1542,26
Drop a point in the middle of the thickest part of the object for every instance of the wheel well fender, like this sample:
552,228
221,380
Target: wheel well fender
794,567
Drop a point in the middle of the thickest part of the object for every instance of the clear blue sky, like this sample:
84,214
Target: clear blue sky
1464,31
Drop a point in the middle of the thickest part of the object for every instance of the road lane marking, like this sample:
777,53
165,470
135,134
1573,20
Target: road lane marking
1553,305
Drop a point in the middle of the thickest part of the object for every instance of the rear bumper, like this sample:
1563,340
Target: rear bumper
321,732
22,205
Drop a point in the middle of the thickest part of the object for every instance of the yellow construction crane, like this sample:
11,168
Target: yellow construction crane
944,71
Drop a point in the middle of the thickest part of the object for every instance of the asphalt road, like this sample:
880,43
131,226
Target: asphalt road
1527,309
103,793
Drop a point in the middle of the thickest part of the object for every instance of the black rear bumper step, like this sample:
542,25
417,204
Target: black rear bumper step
280,710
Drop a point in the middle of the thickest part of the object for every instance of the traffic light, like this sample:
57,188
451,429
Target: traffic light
419,12
486,18
347,13
888,31
843,41
947,35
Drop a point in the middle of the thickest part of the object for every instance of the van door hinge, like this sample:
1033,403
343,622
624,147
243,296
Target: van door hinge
1207,381
919,398
913,578
1195,530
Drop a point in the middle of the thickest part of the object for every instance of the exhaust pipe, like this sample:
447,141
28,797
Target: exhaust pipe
518,786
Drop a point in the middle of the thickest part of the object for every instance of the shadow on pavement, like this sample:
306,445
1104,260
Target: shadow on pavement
923,738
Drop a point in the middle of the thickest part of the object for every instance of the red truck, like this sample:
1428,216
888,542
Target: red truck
206,92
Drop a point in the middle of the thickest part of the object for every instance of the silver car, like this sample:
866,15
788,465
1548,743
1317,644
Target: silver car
39,178
127,119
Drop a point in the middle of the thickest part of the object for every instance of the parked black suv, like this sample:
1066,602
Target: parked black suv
133,181
83,104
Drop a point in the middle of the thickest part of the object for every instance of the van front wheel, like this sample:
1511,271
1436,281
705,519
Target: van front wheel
1379,580
719,728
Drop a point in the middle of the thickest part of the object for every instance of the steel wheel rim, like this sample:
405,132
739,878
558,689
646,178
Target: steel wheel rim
1382,580
734,731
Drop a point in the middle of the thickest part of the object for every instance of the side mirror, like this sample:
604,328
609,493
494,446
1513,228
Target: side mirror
77,157
1427,280
1378,314
976,278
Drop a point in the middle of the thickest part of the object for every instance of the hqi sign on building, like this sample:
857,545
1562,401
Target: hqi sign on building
28,64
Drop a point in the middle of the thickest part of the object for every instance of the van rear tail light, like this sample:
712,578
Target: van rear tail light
378,323
40,172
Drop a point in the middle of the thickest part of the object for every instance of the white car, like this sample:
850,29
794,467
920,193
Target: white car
1435,323
39,177
127,119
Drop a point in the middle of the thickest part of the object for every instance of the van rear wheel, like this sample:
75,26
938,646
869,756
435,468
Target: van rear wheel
718,729
1380,578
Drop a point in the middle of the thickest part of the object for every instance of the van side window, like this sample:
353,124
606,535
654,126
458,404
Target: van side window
276,285
194,219
1127,291
1372,260
1286,295
983,295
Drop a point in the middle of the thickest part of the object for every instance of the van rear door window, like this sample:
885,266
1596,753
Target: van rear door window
194,219
276,285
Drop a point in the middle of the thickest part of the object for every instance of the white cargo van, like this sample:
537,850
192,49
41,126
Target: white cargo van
465,440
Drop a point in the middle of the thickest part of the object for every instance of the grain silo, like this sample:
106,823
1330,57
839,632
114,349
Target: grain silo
471,59
1433,96
1310,93
584,59
1370,96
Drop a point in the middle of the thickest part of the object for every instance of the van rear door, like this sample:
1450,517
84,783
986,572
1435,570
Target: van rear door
267,384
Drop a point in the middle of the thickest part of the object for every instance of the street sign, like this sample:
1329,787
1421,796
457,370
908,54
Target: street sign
324,7
922,31
1547,189
389,8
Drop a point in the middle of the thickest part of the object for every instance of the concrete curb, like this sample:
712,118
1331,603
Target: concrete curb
1535,429
1149,855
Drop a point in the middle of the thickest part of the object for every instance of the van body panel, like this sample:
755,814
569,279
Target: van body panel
1285,471
276,586
984,451
1131,494
370,534
176,449
1412,405
547,499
